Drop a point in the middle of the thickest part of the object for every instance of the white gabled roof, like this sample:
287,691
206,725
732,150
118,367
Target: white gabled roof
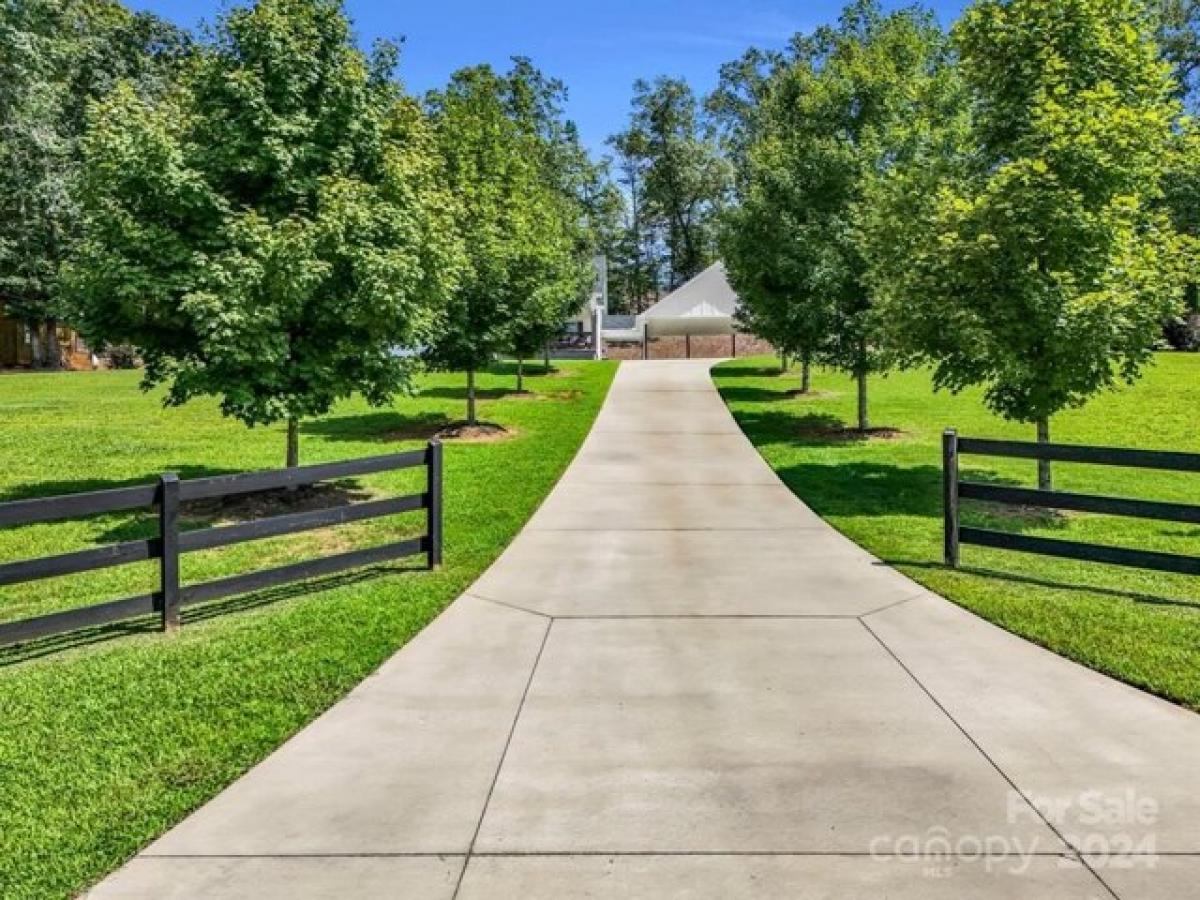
707,296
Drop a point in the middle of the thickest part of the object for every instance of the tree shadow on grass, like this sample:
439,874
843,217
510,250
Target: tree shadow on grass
747,370
145,625
142,523
533,368
868,489
808,429
126,525
460,393
1030,581
860,489
864,489
81,485
741,394
200,514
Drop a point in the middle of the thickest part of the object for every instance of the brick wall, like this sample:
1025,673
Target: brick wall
702,347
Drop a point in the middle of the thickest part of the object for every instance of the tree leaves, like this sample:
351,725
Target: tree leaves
274,228
1024,247
519,175
835,113
58,56
678,180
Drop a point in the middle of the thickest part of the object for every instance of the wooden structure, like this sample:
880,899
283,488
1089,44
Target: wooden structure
17,342
955,489
171,541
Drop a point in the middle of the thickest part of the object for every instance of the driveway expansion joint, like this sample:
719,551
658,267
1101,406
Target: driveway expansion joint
892,605
503,754
507,605
1072,851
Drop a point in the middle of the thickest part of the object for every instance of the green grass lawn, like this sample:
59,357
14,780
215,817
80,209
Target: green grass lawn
109,737
885,493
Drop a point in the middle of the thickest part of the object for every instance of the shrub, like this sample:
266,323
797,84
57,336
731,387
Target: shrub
122,356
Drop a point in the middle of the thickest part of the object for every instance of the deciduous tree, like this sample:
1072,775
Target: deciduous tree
1179,37
273,229
635,272
1026,252
835,113
685,180
514,173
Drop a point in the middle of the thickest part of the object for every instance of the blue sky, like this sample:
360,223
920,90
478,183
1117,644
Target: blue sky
598,47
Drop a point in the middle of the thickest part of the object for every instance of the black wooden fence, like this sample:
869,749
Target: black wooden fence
954,489
169,492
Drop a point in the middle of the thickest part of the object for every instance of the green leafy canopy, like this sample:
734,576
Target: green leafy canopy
519,174
275,227
1025,249
835,111
57,56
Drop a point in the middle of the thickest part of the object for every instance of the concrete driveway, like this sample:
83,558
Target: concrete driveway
678,682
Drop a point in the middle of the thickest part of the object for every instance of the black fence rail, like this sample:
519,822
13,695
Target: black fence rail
169,492
954,489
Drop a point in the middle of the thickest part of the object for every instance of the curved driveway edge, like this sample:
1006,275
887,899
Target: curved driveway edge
678,681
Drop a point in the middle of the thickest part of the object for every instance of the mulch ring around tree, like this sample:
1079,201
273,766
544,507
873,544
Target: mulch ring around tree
276,502
561,395
479,433
842,433
797,394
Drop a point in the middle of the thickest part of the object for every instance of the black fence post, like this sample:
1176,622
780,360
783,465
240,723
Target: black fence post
434,509
950,495
168,534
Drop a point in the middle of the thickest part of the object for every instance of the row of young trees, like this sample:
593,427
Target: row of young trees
995,202
266,214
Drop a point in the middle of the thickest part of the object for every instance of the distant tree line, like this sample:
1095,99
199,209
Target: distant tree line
266,214
673,183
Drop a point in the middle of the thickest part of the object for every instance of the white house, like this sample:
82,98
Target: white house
705,305
579,332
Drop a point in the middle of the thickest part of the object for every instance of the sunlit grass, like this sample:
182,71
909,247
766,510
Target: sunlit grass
1140,626
109,737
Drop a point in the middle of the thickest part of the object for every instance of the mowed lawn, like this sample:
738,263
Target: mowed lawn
885,493
109,737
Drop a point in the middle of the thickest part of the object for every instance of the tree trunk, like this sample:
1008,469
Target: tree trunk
1045,482
471,397
805,376
53,350
520,374
783,363
37,357
864,420
546,358
293,443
